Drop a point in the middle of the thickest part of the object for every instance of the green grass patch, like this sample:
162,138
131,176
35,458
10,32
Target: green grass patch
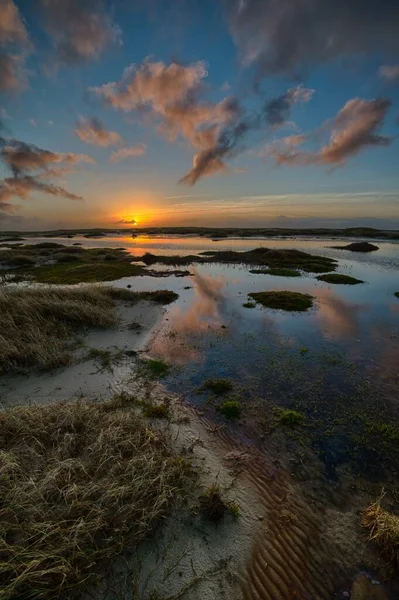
81,483
389,432
277,272
218,386
249,305
155,368
289,301
290,418
67,273
231,409
397,294
339,278
53,263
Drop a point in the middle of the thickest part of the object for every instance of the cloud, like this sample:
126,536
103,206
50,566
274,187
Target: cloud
355,127
289,36
152,84
92,131
80,29
33,168
33,122
123,153
228,139
278,110
126,222
12,28
12,72
23,187
171,95
21,157
389,72
14,45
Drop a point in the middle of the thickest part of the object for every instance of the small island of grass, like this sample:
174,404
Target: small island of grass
358,247
339,278
397,294
289,301
277,272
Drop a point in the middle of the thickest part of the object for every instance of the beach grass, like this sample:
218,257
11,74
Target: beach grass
39,326
80,483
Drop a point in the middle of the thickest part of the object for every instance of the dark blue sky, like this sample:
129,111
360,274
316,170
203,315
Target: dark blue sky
289,115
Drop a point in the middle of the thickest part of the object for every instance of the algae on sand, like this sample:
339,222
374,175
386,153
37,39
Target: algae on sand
289,301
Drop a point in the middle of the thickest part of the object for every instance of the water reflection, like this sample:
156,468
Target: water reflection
179,344
338,318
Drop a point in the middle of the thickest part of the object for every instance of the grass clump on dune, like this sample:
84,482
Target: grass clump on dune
79,484
383,528
290,301
39,326
338,278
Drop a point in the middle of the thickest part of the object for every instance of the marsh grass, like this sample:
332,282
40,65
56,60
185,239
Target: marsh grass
277,272
290,301
383,528
79,484
397,294
358,247
339,278
261,257
53,263
39,326
72,272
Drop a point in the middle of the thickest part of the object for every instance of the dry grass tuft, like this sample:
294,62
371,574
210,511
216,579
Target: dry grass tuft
79,483
383,529
38,326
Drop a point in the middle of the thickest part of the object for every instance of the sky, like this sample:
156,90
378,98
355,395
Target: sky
236,113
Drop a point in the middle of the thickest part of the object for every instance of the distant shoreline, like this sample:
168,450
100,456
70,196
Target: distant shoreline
213,232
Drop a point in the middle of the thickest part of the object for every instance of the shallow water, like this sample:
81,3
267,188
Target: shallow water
210,334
